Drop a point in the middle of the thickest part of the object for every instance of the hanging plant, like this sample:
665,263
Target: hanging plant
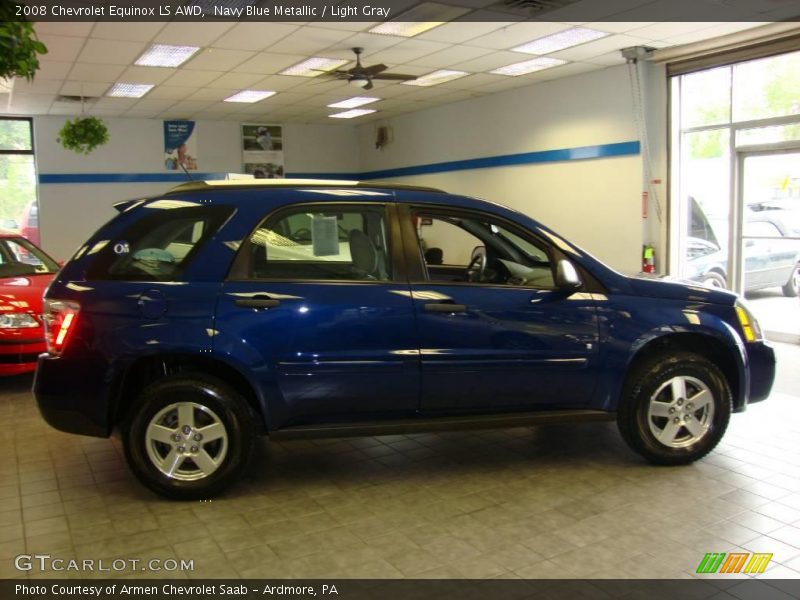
83,134
19,46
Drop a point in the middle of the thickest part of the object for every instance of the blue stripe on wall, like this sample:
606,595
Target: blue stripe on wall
505,160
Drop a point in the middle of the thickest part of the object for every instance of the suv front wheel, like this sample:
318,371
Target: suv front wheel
188,436
675,408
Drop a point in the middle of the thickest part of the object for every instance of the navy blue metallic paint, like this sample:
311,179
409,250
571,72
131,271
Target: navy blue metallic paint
366,350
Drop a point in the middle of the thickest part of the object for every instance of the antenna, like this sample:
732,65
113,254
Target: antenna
185,170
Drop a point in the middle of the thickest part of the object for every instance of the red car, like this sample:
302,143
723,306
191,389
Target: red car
25,273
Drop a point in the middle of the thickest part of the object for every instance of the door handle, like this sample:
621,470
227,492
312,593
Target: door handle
446,307
257,302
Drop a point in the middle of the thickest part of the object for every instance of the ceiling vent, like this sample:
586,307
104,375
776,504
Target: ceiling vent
76,99
530,8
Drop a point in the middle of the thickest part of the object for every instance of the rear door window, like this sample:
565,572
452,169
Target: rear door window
159,246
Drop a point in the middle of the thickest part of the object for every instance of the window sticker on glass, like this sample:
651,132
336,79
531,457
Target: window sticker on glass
325,235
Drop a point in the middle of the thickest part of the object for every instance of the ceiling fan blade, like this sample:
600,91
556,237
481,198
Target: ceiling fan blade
338,74
369,85
374,69
395,77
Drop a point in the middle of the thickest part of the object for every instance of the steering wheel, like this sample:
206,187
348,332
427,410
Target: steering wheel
476,267
301,235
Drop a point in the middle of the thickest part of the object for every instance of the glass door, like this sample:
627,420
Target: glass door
767,239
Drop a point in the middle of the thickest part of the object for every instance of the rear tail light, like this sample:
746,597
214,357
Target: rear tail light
60,318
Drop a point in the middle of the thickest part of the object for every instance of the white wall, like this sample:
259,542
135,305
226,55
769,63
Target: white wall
595,203
69,213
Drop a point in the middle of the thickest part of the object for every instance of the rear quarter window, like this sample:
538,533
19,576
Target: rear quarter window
159,246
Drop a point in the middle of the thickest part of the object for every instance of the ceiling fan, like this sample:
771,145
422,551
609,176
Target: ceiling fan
361,76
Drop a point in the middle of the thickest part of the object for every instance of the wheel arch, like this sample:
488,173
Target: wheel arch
709,345
136,375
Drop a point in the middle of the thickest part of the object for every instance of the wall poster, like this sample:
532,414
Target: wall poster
180,146
262,150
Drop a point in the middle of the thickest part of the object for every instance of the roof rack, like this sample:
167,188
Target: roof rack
199,185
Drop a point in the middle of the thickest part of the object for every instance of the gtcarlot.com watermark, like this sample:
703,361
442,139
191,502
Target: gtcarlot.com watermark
45,562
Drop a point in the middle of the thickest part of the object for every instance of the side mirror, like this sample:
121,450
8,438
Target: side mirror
567,278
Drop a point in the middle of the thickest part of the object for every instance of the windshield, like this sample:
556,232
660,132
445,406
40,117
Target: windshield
19,257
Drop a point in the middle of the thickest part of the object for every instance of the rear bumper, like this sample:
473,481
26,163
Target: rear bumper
72,397
761,357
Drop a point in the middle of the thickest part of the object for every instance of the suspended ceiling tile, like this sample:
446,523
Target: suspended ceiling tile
212,94
405,52
662,31
471,82
218,59
269,64
462,31
151,75
111,52
309,41
279,83
62,48
448,57
95,73
237,81
710,33
517,34
150,103
609,59
87,89
170,92
616,27
596,48
186,77
371,42
140,114
254,36
32,100
37,86
127,30
77,29
53,69
115,103
491,61
191,33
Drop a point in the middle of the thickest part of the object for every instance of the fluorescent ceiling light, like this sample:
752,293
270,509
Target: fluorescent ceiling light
249,96
419,19
353,102
129,90
164,55
351,114
561,40
528,66
314,66
436,78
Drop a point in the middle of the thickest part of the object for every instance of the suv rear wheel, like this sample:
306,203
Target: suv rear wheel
188,436
675,408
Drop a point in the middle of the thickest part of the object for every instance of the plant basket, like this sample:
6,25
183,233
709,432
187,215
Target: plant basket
83,134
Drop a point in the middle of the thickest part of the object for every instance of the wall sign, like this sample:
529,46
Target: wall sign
262,150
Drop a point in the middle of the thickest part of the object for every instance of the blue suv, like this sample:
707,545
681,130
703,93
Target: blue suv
197,320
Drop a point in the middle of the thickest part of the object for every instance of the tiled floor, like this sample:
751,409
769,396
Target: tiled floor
555,501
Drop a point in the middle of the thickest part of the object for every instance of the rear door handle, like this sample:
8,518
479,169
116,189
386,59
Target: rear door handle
257,302
446,307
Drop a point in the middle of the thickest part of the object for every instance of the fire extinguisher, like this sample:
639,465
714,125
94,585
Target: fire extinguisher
648,259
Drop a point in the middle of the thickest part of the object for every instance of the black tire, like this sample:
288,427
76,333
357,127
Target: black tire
792,287
648,382
212,402
715,280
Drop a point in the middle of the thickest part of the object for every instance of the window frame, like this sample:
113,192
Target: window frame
31,152
240,266
416,261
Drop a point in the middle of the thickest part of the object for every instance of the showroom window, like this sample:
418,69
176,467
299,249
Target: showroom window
735,171
339,243
19,210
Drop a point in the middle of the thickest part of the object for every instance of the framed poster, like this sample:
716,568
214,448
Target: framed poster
180,146
262,150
